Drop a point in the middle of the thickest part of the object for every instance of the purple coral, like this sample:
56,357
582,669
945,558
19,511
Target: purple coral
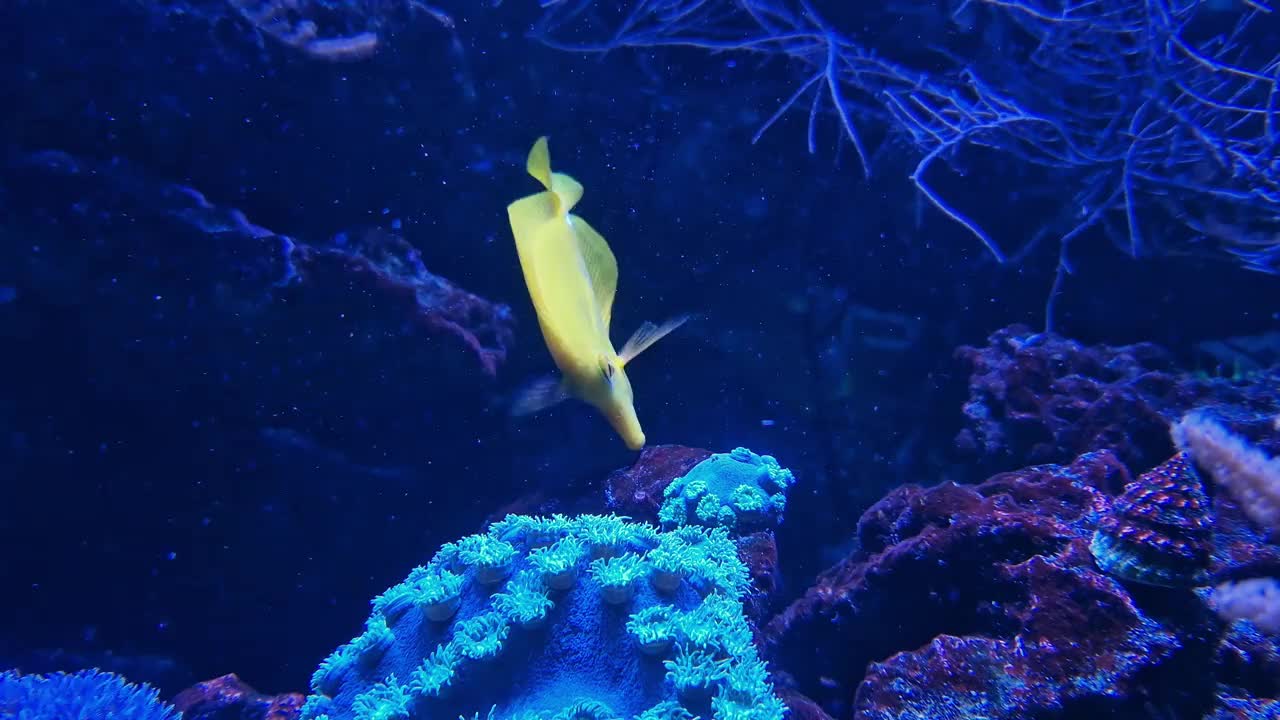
985,600
638,490
1039,397
228,696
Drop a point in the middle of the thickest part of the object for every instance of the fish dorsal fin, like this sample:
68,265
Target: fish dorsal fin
646,335
567,190
602,267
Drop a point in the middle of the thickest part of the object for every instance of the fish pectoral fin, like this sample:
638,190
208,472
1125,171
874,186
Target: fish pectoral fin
646,335
538,396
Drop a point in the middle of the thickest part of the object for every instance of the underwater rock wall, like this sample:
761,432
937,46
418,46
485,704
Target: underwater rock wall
988,600
1040,398
233,385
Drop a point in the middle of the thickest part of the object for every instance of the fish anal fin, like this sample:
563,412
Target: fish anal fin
646,335
538,396
602,267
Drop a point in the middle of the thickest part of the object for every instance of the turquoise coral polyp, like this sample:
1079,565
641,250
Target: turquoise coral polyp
615,642
85,695
739,490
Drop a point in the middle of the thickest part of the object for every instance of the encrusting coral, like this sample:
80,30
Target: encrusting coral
85,695
738,490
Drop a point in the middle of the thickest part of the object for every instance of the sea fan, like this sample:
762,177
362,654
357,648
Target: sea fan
85,695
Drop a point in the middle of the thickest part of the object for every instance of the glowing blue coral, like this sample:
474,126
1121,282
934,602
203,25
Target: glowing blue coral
490,556
526,599
435,673
559,562
616,642
617,576
435,589
387,700
85,695
481,637
654,628
738,490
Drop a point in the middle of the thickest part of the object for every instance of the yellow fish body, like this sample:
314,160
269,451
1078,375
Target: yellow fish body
572,277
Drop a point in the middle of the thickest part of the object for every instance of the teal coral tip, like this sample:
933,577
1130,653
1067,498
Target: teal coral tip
739,490
650,625
85,695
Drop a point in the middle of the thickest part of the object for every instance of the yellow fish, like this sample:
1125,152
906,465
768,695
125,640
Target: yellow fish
572,277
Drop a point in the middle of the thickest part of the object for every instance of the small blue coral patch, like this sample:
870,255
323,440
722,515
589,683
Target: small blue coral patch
84,695
739,490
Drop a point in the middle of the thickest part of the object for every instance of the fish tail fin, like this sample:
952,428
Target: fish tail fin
539,162
567,190
648,334
538,396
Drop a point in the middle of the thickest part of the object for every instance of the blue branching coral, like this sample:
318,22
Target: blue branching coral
588,618
738,490
85,695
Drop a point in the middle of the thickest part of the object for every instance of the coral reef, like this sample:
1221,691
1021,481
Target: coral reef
1248,474
84,695
220,282
1038,398
1255,599
739,490
159,671
638,491
985,600
230,698
1248,672
200,333
671,483
556,617
759,553
259,262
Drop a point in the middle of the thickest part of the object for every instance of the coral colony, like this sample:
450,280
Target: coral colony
539,618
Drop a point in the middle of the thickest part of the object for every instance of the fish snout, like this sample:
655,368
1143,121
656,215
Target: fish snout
635,440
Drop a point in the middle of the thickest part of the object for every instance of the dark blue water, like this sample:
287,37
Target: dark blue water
207,458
